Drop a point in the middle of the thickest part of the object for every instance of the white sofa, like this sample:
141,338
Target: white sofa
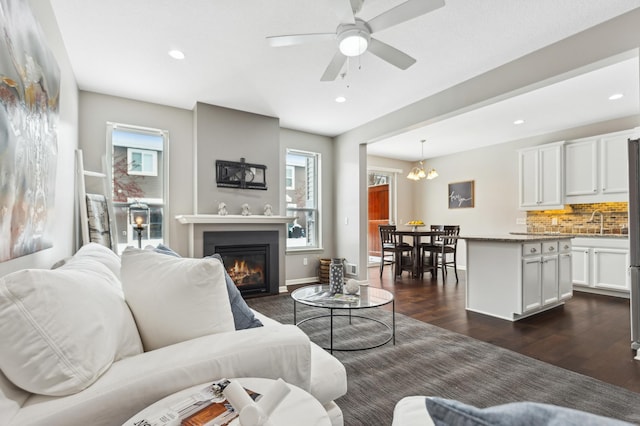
49,378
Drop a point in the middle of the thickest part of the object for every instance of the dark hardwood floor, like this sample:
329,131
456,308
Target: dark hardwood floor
590,334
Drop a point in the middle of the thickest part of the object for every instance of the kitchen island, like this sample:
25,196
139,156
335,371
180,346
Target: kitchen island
515,276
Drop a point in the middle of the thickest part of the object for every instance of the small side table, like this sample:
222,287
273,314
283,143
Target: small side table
298,408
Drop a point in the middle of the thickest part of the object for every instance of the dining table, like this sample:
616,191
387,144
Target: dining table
416,235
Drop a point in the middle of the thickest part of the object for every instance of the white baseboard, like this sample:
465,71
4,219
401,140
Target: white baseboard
306,280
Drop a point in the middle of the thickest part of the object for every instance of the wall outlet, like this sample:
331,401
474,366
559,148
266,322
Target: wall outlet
305,261
350,269
554,221
521,221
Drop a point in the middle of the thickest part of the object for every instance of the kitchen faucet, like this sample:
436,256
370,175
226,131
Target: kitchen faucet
601,219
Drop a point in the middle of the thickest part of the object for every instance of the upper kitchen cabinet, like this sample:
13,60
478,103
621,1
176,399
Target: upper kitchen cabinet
541,177
596,169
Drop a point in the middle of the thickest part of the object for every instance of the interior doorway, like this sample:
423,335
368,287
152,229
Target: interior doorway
381,208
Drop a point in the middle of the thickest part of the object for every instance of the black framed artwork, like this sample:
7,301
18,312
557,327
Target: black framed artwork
461,194
232,174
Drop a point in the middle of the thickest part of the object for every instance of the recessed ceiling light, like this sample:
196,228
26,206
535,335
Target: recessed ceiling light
616,96
341,99
176,54
518,122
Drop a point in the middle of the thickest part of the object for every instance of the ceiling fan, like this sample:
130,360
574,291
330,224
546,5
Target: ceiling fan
353,35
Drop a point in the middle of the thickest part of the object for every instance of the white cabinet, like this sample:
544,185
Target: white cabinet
512,279
596,169
601,265
611,269
541,271
581,168
531,284
614,165
541,177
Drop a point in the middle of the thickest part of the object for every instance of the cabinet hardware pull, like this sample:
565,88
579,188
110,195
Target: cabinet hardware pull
533,250
551,249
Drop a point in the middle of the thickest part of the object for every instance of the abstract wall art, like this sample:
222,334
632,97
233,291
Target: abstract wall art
29,104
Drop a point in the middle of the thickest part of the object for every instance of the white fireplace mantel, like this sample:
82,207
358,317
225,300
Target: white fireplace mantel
231,219
206,221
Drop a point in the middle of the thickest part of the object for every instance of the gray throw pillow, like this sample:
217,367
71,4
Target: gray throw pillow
243,316
454,413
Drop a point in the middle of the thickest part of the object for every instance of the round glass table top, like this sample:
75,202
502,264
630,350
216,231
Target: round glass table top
320,296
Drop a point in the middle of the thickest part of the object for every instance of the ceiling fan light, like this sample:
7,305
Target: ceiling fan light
353,42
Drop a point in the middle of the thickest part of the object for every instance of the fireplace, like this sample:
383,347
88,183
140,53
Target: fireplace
250,258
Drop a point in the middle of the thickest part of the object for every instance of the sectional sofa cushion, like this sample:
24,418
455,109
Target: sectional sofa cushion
61,329
174,299
243,316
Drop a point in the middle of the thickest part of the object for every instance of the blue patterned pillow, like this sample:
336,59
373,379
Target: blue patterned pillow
448,412
243,316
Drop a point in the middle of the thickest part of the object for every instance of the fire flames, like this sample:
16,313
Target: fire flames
244,274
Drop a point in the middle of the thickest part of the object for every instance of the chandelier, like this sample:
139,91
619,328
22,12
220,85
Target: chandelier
418,172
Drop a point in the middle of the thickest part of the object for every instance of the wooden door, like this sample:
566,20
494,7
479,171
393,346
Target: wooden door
378,215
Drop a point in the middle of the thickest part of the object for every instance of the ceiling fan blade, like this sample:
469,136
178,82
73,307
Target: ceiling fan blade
293,39
390,54
334,67
403,12
345,10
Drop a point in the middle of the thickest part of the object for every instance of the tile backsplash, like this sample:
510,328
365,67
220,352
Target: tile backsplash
575,218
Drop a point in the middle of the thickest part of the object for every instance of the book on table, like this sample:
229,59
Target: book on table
328,297
206,407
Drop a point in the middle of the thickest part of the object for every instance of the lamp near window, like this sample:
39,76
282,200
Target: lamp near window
139,216
418,172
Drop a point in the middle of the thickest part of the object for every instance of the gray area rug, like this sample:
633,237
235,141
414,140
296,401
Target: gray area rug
428,360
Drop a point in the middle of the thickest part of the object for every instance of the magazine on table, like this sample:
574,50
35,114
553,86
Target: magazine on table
328,297
206,407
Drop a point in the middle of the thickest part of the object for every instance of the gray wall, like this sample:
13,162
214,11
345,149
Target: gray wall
227,134
96,110
63,229
585,50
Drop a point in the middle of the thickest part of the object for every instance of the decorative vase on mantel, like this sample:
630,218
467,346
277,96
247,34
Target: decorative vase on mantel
336,275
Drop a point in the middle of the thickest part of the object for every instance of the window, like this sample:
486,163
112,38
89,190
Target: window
289,177
142,162
138,161
303,199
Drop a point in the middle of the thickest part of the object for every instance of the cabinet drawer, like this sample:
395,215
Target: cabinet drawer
531,249
550,247
564,246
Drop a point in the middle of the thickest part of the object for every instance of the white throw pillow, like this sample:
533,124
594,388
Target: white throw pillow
101,254
61,329
175,299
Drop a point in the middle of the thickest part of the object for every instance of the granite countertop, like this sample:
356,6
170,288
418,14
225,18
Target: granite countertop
516,238
574,235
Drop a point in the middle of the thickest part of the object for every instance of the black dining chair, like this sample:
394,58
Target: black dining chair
429,249
392,248
443,249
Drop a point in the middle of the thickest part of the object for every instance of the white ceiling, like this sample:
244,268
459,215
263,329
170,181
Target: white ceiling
119,47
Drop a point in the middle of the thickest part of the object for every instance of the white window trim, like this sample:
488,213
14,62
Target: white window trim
319,222
142,152
293,177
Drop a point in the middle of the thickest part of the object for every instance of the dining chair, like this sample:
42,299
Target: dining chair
444,249
392,248
430,249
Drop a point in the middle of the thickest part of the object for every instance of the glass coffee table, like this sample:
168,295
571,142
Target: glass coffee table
343,305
